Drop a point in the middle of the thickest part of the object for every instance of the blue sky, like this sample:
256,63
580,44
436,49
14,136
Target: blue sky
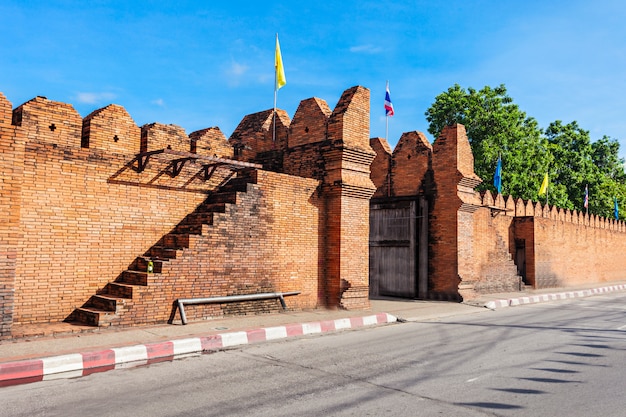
201,64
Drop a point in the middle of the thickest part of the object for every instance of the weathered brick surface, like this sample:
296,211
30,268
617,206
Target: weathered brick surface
85,208
247,248
156,136
211,142
476,242
89,210
256,134
380,171
12,150
111,129
412,158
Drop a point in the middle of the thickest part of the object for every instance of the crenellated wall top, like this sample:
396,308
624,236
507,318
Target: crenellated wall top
517,207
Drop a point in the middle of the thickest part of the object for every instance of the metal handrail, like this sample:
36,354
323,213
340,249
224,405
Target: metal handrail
232,298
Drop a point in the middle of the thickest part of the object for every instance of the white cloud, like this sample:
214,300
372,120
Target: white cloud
238,69
159,102
94,98
366,49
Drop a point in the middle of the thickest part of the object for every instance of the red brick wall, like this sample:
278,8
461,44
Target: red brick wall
266,241
381,167
12,151
571,253
211,142
411,161
81,229
88,213
91,206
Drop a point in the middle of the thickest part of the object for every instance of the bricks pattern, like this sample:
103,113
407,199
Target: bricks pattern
111,129
472,237
91,208
12,150
243,249
211,142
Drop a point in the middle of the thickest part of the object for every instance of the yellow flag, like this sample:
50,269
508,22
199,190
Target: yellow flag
544,185
278,65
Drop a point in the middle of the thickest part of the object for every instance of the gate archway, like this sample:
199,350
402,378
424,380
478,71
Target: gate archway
398,243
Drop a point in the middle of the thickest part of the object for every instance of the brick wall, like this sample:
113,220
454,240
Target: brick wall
482,243
334,148
265,240
12,151
97,195
86,214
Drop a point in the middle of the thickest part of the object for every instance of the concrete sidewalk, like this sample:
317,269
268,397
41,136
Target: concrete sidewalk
73,351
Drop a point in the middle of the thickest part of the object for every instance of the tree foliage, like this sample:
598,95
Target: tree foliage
496,127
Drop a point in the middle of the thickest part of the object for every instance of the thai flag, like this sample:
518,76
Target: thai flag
388,105
586,203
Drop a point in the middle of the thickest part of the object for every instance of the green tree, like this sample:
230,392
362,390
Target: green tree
496,127
572,168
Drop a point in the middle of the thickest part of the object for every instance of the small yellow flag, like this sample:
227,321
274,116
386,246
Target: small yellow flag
544,185
278,65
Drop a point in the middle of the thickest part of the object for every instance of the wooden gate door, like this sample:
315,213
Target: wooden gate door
394,248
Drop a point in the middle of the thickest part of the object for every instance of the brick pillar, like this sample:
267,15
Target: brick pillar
451,241
347,188
12,142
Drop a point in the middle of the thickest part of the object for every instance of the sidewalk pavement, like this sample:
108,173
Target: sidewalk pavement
62,350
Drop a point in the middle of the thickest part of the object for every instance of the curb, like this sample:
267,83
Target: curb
512,302
82,364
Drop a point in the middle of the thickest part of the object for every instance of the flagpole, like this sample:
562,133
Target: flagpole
386,127
387,117
275,95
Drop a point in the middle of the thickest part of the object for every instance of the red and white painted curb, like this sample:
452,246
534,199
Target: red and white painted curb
512,302
82,364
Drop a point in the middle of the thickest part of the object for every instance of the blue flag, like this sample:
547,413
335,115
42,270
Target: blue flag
497,178
615,208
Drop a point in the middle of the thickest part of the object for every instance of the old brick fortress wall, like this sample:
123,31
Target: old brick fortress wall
475,240
87,202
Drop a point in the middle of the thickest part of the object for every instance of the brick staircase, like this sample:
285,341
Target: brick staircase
499,275
109,306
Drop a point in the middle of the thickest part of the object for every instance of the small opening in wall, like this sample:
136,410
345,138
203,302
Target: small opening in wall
115,138
306,129
52,127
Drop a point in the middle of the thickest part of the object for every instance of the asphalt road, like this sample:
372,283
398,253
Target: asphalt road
561,358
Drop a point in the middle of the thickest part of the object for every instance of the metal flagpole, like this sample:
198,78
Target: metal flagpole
386,126
275,94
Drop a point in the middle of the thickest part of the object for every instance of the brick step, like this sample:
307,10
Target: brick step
238,183
503,271
141,264
174,241
161,253
500,257
213,207
134,278
93,316
222,197
103,302
118,289
190,229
